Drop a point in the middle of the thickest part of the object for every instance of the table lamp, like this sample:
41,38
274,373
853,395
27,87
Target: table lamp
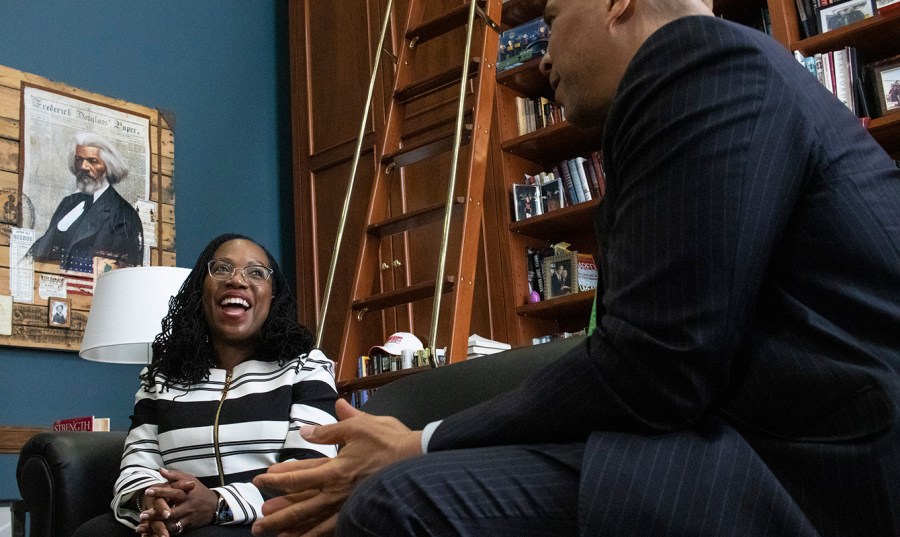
126,313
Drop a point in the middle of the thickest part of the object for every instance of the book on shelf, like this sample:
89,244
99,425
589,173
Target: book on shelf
475,351
597,162
587,272
563,170
841,74
807,16
570,182
533,113
82,423
479,341
578,163
534,259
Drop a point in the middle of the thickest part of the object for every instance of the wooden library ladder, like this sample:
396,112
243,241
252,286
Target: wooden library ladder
405,142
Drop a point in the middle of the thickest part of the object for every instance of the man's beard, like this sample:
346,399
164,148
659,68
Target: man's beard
87,184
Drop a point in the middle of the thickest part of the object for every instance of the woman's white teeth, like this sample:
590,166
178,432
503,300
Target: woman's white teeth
234,301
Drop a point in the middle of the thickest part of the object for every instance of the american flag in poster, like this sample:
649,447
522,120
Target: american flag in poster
80,285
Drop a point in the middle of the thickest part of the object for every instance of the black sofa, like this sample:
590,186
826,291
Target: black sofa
66,478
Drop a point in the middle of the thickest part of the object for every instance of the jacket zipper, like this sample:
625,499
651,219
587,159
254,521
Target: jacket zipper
216,430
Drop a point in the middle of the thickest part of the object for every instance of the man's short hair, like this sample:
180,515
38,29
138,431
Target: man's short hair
116,169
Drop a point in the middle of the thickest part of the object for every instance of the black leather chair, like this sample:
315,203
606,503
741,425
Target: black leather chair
66,478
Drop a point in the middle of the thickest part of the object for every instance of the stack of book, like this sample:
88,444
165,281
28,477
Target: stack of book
569,182
839,71
533,113
480,346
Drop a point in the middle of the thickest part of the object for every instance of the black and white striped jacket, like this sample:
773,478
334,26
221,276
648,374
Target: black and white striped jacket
259,416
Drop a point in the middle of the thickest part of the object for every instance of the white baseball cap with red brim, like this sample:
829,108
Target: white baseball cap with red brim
398,342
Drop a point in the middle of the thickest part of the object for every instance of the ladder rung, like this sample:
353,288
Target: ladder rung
420,125
410,220
440,25
437,82
412,153
399,297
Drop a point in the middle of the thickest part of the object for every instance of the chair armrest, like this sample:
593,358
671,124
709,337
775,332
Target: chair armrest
66,478
431,395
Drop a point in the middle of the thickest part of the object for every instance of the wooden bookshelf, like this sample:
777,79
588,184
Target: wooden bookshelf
874,38
328,34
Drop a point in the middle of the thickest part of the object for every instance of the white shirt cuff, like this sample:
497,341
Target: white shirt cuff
427,432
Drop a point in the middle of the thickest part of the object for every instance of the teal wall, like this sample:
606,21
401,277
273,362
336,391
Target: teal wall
220,67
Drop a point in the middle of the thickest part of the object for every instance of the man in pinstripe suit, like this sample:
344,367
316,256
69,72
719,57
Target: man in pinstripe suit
743,377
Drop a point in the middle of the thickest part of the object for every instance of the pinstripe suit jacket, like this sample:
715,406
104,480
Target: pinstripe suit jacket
750,258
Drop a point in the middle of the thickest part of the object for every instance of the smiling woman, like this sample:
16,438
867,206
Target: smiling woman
233,377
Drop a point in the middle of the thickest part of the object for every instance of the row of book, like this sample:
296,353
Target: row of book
569,182
820,16
533,113
868,91
553,273
840,73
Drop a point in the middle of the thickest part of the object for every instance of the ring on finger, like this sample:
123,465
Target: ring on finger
178,527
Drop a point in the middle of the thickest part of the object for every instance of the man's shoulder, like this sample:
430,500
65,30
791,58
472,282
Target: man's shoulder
112,197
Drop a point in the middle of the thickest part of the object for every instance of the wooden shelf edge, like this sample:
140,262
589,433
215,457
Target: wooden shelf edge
854,34
375,381
12,438
568,306
559,223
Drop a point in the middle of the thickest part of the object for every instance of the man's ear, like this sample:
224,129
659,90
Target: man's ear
619,10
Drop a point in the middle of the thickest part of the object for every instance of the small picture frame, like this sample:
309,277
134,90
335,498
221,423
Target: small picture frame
526,201
552,197
884,76
60,312
839,15
560,274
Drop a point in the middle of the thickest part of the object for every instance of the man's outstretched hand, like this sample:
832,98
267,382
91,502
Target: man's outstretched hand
312,491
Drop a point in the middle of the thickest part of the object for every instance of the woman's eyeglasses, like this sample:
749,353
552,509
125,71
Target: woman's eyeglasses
253,274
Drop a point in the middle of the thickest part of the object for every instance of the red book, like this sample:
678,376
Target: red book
83,423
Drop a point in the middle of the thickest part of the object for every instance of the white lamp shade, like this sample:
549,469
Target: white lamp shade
127,311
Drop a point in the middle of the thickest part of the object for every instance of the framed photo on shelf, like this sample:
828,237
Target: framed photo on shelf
526,201
59,312
552,195
885,78
839,15
560,274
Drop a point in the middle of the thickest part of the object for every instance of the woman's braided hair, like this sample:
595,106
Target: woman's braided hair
182,352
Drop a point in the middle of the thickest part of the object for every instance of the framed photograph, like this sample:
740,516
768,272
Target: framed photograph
839,15
560,274
72,148
552,195
60,309
526,201
884,76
